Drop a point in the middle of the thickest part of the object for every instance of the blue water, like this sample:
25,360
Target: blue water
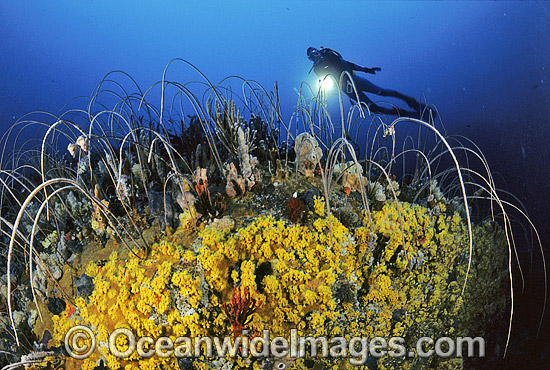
484,65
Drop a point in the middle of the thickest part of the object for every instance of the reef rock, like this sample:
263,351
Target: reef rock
84,286
160,206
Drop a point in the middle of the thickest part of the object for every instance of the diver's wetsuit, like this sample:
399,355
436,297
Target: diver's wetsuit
327,61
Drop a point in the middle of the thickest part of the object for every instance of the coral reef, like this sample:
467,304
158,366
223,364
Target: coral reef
357,283
217,229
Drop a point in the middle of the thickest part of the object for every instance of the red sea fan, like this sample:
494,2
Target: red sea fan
240,310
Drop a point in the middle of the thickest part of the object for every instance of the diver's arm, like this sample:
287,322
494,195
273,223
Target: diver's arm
372,70
356,67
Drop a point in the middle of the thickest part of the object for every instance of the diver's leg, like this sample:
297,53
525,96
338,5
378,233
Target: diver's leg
373,107
411,102
365,85
377,109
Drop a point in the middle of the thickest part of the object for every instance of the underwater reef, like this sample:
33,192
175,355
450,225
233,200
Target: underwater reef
190,220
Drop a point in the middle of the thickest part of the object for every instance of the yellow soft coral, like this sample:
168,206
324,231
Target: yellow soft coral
395,275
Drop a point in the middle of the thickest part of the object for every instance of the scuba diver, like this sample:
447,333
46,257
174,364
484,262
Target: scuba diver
329,62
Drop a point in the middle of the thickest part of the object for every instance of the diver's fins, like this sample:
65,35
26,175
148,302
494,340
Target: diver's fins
413,103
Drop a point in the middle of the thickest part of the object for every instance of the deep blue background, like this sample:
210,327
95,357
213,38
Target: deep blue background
485,65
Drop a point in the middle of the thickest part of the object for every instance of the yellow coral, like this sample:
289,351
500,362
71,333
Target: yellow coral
389,277
319,206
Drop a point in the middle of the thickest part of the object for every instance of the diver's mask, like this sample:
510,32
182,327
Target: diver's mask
314,55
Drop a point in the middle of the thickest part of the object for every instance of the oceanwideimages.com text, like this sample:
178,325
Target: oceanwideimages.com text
80,343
